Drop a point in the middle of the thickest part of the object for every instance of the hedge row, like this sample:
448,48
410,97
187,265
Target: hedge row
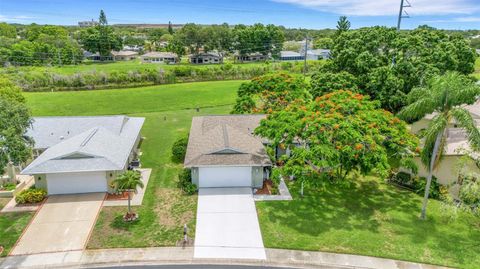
32,81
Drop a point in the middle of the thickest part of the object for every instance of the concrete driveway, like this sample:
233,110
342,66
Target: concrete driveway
227,225
63,223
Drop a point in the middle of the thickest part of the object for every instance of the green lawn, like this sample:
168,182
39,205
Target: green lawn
166,108
371,218
11,226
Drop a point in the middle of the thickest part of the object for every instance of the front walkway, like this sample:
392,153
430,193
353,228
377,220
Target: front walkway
158,256
227,225
63,223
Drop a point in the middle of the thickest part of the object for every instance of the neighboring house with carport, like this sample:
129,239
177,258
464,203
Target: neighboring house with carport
82,154
223,152
291,56
251,57
160,57
206,58
456,146
124,55
318,54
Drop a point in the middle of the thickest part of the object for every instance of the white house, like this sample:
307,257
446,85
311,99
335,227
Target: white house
124,55
223,152
291,56
160,57
82,154
318,54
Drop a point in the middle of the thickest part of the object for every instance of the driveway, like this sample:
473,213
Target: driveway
63,223
227,225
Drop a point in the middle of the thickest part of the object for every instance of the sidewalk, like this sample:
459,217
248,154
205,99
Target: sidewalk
175,255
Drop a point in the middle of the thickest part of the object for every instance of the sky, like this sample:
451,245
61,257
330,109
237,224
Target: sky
311,14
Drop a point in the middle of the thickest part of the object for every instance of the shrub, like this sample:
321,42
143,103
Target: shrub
403,178
179,149
419,184
185,182
30,196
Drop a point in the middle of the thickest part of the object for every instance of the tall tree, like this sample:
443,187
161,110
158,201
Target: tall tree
15,146
443,95
343,25
338,132
101,38
170,28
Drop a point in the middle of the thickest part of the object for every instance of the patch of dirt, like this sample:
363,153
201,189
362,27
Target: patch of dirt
173,208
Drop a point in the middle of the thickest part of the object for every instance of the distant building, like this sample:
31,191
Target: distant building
206,58
318,54
133,48
160,57
87,23
95,57
124,55
251,57
291,56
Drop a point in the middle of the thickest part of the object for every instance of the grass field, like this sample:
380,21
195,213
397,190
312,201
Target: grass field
371,218
11,226
168,114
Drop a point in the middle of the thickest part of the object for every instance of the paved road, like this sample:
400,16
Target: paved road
63,223
227,225
195,266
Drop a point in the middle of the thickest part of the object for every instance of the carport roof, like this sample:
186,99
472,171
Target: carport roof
225,140
100,148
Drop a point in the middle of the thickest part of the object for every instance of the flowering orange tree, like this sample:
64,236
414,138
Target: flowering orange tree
271,92
338,133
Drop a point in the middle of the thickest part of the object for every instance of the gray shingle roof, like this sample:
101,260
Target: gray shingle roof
104,147
225,140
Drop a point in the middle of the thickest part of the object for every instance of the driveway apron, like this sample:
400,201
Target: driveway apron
63,223
227,225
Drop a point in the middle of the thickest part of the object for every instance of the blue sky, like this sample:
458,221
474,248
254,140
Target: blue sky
315,14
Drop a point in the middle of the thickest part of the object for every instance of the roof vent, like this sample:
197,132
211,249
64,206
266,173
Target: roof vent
61,137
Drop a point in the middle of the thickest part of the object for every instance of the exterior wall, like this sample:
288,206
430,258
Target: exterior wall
446,172
257,177
206,60
41,182
111,176
159,60
195,175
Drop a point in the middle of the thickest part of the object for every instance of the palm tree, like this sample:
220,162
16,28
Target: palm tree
129,181
445,96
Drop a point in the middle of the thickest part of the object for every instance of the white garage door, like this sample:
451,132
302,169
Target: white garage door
225,176
65,183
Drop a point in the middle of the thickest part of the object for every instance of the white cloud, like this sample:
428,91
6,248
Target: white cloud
388,7
19,18
459,19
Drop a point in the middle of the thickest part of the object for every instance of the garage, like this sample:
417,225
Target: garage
228,176
67,183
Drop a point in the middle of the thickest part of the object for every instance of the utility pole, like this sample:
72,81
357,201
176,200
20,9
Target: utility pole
402,13
305,56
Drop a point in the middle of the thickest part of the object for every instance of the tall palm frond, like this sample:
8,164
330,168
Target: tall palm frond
467,123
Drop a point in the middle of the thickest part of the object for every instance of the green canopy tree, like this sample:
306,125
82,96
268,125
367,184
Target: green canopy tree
338,133
101,38
343,25
129,182
325,82
271,92
443,95
15,146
